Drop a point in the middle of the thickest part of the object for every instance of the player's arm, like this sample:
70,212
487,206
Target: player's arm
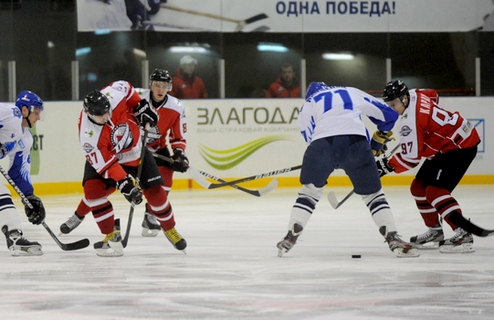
306,122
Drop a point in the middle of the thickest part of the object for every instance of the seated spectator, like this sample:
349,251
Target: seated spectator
186,84
286,86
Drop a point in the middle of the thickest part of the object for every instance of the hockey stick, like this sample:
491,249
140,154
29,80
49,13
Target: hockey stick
332,196
202,181
465,224
240,23
83,243
262,28
209,185
133,204
200,177
173,26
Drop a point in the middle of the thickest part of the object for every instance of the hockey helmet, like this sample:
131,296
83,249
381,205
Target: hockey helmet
30,100
315,87
161,75
393,90
96,103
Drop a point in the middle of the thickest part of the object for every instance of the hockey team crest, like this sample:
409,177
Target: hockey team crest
87,147
121,137
405,131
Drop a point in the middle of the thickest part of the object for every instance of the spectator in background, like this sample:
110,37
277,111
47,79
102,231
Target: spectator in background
286,86
186,84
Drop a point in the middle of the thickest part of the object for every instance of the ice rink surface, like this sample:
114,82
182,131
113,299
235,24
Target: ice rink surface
231,269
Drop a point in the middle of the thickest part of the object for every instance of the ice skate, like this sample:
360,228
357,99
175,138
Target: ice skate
290,239
400,248
176,239
429,239
150,226
20,246
461,242
111,246
69,225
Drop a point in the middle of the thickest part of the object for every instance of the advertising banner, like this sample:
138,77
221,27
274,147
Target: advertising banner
286,16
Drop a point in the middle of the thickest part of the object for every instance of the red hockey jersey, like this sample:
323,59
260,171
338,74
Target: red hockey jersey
426,130
118,141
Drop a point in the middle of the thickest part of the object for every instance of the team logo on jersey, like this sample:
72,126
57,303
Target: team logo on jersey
87,147
17,112
405,131
121,137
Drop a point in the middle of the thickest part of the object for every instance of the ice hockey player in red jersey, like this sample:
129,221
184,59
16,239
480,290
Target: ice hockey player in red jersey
110,138
448,142
171,126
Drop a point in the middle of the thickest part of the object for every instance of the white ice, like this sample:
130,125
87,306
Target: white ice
231,269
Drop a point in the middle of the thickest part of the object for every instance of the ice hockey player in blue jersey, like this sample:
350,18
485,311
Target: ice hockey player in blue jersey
331,123
15,142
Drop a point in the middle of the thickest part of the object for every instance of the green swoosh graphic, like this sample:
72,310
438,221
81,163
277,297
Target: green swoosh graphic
229,158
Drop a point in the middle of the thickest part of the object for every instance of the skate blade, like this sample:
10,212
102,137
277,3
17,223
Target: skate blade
26,251
115,250
108,253
463,248
149,232
410,253
427,246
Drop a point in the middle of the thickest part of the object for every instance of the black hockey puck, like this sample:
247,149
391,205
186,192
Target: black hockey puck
356,256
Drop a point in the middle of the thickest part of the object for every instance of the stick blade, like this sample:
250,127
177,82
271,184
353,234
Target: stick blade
81,244
199,178
261,29
270,187
332,200
256,18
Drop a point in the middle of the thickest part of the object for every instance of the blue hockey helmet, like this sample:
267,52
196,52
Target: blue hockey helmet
30,100
315,87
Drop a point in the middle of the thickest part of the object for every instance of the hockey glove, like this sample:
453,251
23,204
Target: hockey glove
181,162
146,114
379,140
37,213
5,148
383,167
129,191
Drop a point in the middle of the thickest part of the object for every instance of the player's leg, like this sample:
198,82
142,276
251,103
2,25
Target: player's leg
96,192
317,165
153,188
150,226
361,168
441,175
10,224
431,237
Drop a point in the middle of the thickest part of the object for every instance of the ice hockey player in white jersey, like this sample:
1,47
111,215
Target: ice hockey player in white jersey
331,123
15,142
